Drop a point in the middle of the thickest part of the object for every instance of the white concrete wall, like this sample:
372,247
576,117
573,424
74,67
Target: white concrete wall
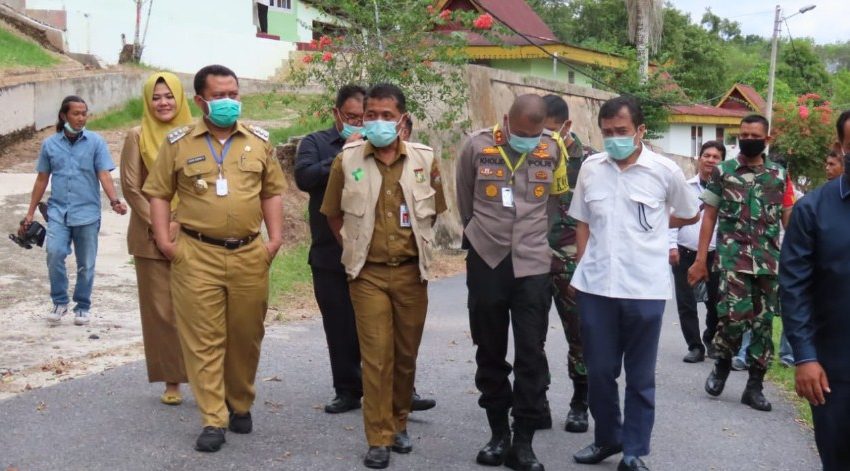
183,36
16,103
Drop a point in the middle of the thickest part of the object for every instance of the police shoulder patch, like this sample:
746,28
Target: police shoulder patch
177,134
259,132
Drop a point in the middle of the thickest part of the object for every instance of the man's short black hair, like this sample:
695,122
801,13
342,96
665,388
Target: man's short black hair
715,144
347,92
556,108
757,118
612,107
64,107
839,125
382,91
215,69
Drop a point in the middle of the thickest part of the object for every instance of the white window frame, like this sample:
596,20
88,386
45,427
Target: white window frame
273,5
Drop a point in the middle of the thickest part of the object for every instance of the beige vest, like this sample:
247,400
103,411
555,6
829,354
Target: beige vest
360,196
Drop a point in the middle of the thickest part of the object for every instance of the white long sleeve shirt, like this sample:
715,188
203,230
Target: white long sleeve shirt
688,236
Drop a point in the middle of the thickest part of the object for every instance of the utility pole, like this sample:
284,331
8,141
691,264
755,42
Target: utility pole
777,25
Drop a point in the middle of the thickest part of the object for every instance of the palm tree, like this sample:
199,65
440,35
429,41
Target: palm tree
645,22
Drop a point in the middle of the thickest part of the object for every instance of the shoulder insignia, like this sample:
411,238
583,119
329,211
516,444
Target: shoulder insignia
499,137
259,132
541,154
542,146
490,150
177,134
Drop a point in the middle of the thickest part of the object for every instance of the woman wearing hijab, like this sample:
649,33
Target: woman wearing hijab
165,108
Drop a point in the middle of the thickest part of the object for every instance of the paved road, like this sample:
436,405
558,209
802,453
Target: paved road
113,420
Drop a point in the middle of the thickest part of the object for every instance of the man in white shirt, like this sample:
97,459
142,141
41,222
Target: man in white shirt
625,200
683,251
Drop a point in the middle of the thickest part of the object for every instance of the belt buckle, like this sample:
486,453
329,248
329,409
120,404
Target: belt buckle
232,244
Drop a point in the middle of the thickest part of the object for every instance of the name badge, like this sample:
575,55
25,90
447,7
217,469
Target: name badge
403,216
508,197
221,187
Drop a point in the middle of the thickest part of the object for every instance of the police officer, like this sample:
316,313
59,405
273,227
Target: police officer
505,177
562,239
381,201
746,200
228,183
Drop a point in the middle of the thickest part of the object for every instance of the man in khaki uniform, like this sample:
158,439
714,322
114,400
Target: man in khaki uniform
382,198
228,183
505,177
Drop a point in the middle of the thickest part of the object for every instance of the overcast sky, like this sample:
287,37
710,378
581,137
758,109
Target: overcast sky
827,23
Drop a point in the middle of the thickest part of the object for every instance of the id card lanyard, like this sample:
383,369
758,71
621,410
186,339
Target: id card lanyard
221,183
511,167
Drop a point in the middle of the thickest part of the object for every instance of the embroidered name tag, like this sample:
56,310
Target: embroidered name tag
197,159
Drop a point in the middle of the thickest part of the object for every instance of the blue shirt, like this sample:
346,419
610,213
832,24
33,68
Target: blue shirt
73,167
814,279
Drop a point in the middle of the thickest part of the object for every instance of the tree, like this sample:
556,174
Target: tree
645,25
841,90
387,43
802,69
803,133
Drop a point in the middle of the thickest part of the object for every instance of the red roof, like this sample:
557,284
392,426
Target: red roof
707,110
730,105
751,95
516,14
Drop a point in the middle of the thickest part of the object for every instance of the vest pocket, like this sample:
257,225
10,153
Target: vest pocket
353,202
424,205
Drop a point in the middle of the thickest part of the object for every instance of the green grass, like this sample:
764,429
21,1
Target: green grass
289,273
17,52
258,107
301,127
783,378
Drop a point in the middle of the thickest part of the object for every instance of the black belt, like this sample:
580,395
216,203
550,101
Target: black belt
230,244
406,261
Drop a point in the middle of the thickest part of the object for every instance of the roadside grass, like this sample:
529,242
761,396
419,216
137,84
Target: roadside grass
301,127
783,378
290,274
259,107
17,52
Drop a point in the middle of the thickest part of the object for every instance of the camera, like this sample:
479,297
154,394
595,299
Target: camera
34,235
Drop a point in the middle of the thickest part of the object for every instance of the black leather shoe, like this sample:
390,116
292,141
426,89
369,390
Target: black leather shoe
401,442
520,455
419,403
576,421
378,457
342,403
592,454
695,355
210,439
493,453
241,423
753,395
635,465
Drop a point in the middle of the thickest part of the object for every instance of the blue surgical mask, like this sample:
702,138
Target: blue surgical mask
620,148
380,133
523,145
348,130
71,130
224,112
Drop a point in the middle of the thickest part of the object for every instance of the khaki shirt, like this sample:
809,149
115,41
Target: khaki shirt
140,241
185,166
391,243
493,230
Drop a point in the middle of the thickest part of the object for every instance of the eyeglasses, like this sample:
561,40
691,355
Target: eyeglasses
350,118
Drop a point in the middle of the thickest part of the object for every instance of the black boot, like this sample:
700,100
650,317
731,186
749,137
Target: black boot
520,456
753,396
577,417
493,453
716,380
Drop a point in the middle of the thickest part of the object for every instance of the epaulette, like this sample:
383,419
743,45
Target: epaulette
259,132
419,145
349,145
176,134
481,131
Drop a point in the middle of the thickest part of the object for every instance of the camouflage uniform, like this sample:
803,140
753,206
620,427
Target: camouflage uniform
562,240
750,203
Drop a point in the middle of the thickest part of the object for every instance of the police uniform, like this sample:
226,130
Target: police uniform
502,199
219,274
387,237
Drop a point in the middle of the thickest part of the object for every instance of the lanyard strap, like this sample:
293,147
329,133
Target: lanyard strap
219,158
513,168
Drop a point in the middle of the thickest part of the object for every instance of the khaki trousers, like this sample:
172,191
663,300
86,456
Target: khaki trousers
159,331
220,300
390,304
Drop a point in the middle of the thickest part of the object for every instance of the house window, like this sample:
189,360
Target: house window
571,77
282,4
696,140
718,136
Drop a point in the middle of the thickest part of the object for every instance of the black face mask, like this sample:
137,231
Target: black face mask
752,147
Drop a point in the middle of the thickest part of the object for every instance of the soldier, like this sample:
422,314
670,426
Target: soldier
228,183
381,201
562,239
746,199
505,177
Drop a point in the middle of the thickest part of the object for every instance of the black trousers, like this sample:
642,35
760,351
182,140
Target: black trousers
832,427
497,301
687,304
331,289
